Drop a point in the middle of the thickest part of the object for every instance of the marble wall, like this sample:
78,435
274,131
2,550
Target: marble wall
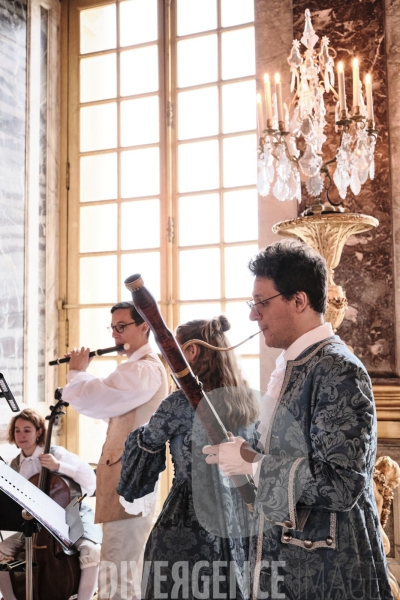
366,270
13,17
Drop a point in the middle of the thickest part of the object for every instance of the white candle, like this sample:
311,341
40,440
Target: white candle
278,90
268,101
260,120
342,93
356,79
368,93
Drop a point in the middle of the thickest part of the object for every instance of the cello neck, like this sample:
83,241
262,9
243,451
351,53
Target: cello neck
44,472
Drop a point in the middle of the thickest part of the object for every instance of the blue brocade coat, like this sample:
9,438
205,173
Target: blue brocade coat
316,525
201,536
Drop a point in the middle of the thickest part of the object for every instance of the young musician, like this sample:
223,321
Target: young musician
27,430
202,529
126,398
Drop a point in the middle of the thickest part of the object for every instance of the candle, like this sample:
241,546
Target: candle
342,93
278,90
260,121
356,79
268,102
368,92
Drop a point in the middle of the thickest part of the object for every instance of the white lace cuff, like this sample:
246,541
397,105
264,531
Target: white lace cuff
141,505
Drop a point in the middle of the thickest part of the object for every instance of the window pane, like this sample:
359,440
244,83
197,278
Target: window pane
239,163
93,323
138,22
251,371
98,228
199,220
139,71
197,61
238,53
145,263
98,279
198,166
140,224
98,179
92,434
194,16
242,328
198,113
236,12
140,174
237,229
98,29
98,127
206,310
193,262
98,78
140,121
238,279
239,106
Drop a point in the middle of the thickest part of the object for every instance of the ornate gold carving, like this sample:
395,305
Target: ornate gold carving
387,401
327,233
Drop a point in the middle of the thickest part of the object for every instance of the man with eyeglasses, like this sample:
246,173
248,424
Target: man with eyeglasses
126,398
316,527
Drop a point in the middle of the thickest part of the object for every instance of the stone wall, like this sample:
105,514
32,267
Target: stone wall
367,267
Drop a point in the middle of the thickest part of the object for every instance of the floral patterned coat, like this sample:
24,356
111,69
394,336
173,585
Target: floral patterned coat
201,536
316,525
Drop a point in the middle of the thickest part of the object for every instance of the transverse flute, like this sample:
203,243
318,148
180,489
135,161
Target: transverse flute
100,352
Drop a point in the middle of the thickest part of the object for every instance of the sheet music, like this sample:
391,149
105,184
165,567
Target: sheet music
42,507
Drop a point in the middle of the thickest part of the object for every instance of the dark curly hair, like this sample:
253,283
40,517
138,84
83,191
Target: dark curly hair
294,267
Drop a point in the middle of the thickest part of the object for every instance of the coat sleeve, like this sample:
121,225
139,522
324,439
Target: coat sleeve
144,455
328,466
79,470
131,384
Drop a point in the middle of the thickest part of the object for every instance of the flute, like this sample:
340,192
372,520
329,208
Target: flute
147,307
99,352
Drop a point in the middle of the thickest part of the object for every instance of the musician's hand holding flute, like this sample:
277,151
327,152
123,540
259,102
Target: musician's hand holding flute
90,354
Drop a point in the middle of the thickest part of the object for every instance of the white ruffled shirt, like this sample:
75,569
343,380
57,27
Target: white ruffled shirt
132,383
270,398
70,465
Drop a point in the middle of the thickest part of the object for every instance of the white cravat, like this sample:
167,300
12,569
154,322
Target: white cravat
270,398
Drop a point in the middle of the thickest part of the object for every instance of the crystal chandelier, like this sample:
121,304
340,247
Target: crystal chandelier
281,164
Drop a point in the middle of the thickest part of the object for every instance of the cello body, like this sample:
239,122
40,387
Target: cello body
57,574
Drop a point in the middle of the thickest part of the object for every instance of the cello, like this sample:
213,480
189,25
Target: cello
57,574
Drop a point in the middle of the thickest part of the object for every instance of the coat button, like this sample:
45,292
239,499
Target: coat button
288,524
308,544
107,462
287,537
329,541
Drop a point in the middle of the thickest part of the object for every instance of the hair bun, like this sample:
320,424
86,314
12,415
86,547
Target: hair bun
224,323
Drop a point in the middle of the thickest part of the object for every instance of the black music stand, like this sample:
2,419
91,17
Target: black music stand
18,493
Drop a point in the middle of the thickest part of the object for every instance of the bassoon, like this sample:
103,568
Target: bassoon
147,307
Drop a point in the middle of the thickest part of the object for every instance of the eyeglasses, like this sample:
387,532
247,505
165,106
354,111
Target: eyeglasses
252,305
119,327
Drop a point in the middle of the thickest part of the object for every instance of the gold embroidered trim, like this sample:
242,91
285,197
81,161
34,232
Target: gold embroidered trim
292,511
146,449
257,569
289,367
315,545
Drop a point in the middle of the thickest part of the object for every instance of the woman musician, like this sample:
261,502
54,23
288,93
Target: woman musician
27,430
204,519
